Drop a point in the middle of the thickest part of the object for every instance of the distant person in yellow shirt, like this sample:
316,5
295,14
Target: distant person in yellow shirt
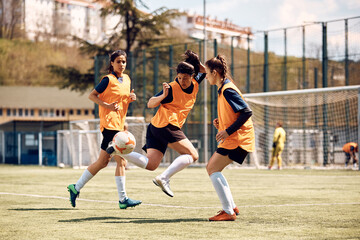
278,145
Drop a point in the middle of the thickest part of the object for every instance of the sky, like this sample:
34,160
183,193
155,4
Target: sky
266,14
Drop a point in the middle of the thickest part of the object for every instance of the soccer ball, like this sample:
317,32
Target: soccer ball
124,142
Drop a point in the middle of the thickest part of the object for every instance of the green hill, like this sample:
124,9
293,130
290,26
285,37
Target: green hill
23,62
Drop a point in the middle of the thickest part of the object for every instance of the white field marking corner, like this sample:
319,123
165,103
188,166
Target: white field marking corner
171,206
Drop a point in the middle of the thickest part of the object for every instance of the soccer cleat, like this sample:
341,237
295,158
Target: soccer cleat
128,203
73,194
236,211
164,185
223,216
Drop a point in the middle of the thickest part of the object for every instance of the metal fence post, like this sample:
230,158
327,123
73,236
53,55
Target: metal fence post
214,105
156,73
248,65
325,84
346,53
144,82
171,52
266,89
284,83
232,56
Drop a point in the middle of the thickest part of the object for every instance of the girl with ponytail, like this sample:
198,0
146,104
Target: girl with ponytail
235,135
176,100
113,96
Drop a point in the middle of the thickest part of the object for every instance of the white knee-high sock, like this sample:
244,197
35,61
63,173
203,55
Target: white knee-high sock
85,177
177,165
137,159
223,191
120,183
232,203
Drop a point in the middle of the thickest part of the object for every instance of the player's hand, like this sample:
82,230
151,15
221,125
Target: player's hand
132,96
216,123
221,136
166,88
113,106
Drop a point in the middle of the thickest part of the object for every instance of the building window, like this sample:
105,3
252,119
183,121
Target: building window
20,112
26,112
8,112
32,112
45,112
14,112
40,112
57,113
86,112
71,112
1,111
51,112
78,112
63,113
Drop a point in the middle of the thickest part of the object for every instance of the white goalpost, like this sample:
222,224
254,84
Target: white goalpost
80,146
318,122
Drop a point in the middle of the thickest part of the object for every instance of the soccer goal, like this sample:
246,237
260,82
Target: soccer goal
318,122
80,146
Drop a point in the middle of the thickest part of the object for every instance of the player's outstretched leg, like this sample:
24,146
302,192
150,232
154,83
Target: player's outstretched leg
73,194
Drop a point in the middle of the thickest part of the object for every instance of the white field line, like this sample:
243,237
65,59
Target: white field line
187,207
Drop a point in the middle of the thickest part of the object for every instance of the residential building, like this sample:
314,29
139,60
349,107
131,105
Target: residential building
61,20
225,32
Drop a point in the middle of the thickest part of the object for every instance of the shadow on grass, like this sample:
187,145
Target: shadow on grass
135,220
175,220
39,209
96,219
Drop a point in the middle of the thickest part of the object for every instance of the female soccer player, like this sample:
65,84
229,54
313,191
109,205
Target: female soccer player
176,100
113,96
235,134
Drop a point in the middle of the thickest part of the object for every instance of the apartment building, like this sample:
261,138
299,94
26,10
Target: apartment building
225,32
61,20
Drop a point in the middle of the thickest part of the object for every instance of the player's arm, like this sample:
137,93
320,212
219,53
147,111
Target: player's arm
100,88
158,98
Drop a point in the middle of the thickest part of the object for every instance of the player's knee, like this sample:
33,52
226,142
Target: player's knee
152,164
121,163
151,167
209,169
195,156
103,164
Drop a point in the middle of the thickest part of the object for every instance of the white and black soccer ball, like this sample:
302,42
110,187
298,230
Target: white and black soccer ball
124,142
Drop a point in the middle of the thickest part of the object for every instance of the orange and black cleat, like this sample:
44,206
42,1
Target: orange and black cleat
236,211
223,216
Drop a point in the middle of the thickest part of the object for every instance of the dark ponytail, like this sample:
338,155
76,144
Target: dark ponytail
192,58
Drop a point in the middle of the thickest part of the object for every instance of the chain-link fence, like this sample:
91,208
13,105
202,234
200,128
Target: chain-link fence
314,55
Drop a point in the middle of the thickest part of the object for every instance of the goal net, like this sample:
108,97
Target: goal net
318,122
80,146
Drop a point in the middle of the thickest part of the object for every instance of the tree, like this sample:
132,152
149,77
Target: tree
139,29
138,26
10,18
